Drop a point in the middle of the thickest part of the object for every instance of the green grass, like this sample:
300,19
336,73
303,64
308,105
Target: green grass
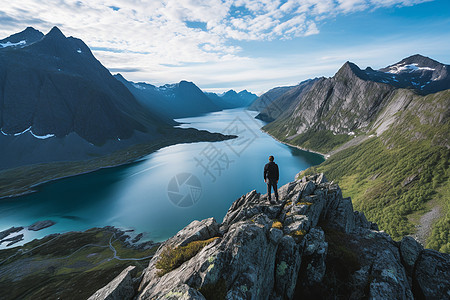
322,141
62,268
172,258
384,199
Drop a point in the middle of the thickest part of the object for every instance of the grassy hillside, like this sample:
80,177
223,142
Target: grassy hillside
399,176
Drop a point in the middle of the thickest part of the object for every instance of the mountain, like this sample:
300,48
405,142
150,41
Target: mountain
231,99
417,72
311,245
268,97
180,100
59,103
22,39
388,147
283,103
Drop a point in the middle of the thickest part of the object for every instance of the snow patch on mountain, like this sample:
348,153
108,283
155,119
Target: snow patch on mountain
42,137
396,69
9,44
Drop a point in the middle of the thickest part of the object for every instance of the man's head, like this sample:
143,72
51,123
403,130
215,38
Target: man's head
271,158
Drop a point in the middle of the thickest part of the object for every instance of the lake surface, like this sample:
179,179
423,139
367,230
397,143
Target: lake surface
166,190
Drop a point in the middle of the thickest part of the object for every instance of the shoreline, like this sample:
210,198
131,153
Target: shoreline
325,156
66,169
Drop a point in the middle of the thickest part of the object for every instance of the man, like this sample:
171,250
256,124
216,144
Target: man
271,176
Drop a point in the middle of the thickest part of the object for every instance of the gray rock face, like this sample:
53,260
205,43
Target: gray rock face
309,245
389,278
432,276
7,232
409,251
121,288
39,225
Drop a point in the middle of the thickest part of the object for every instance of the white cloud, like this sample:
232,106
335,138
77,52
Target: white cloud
152,35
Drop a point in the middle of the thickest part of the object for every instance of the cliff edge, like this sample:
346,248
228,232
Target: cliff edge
311,244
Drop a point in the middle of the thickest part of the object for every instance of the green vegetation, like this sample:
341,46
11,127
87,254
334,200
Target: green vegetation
172,258
393,177
377,180
342,261
322,141
67,266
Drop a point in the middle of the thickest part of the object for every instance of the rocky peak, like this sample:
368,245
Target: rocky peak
310,244
349,71
416,60
55,33
23,38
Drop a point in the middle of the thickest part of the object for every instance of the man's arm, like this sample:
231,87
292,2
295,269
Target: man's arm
265,172
277,173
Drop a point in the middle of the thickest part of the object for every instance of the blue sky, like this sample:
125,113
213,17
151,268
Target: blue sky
241,44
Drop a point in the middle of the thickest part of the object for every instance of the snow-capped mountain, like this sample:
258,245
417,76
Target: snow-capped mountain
58,102
417,72
22,39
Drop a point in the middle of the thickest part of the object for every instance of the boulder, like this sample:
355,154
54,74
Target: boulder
409,251
389,278
431,279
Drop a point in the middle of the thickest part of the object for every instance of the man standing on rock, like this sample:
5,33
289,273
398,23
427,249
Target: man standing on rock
271,176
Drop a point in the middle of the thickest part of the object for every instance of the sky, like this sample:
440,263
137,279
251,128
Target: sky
240,44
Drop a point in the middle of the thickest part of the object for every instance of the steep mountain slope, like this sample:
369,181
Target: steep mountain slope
231,99
391,146
333,107
22,39
183,99
268,97
285,103
58,102
403,172
311,245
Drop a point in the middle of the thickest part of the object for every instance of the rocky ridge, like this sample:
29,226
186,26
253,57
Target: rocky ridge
311,244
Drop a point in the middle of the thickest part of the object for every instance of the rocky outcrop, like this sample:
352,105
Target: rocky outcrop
121,288
308,245
39,225
432,276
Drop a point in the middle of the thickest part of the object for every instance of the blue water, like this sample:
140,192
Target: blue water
136,196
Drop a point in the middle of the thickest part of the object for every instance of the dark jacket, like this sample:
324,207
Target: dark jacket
271,171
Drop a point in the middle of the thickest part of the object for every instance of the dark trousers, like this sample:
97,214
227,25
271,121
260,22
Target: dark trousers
275,189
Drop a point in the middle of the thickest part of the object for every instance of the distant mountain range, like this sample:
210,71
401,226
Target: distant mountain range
58,102
179,100
350,100
386,134
184,99
232,99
